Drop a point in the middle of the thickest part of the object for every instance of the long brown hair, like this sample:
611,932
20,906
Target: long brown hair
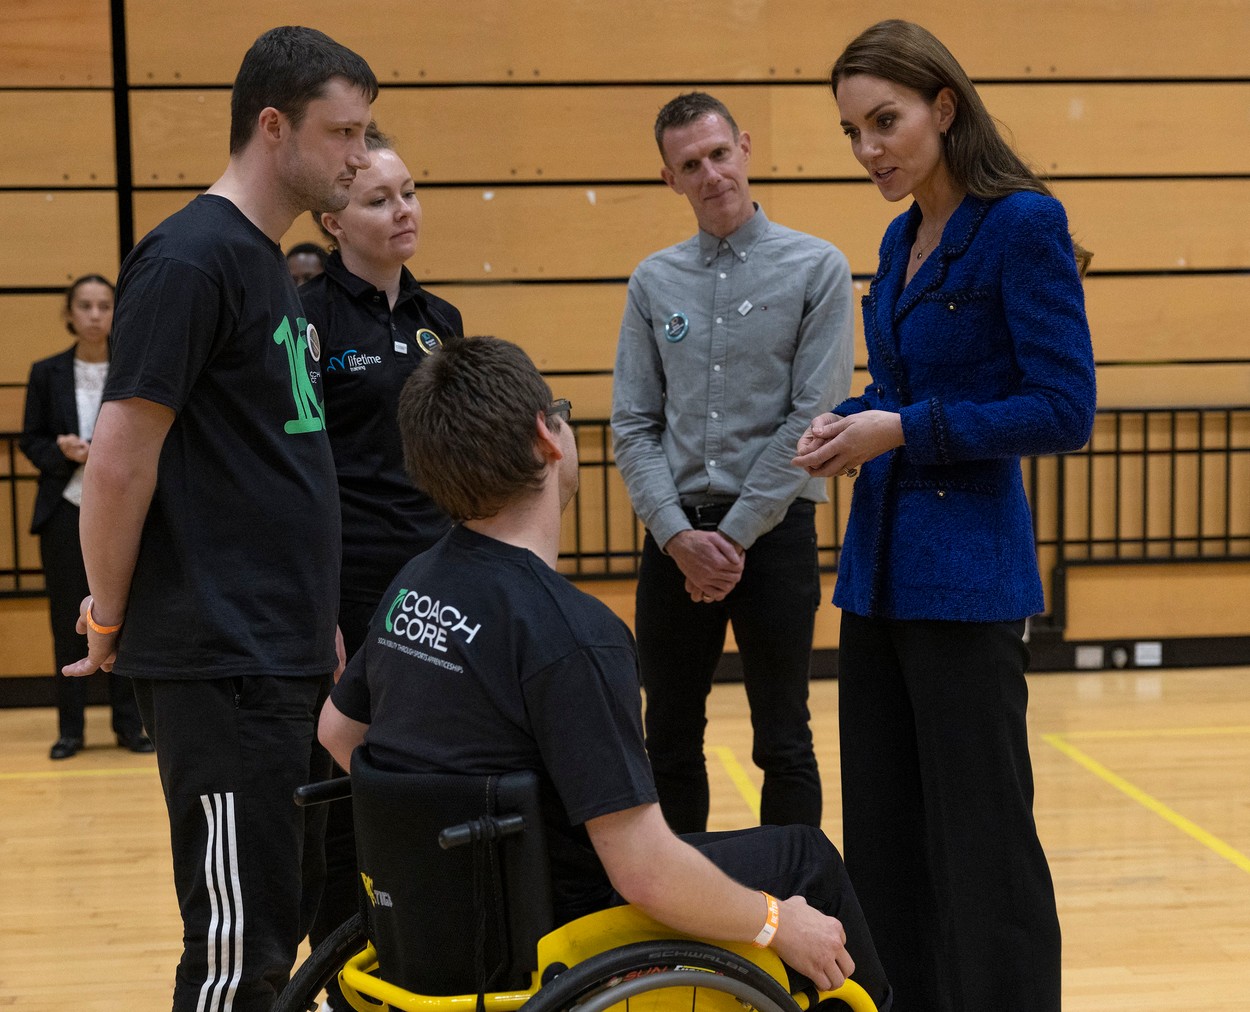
980,161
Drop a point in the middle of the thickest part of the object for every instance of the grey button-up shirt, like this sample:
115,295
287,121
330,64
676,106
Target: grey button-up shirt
728,349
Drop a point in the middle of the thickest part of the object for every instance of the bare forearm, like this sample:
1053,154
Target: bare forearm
339,734
670,880
114,506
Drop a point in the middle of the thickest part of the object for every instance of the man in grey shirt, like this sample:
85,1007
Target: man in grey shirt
732,341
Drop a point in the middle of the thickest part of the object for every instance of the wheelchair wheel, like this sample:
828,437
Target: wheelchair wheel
303,993
663,976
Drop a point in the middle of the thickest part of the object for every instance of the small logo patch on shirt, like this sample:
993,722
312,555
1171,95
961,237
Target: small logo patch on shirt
314,343
428,341
677,327
745,308
401,347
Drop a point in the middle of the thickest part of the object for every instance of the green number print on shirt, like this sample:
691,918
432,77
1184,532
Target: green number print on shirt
311,416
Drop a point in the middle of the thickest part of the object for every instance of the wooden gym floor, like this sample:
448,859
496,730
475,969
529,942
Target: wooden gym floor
1142,802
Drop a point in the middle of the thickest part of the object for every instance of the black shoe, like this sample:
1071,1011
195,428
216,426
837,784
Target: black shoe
64,747
136,743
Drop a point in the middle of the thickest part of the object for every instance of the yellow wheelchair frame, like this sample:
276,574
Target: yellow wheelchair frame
617,956
665,961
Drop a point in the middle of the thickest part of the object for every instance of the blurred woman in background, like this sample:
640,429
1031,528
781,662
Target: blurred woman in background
62,401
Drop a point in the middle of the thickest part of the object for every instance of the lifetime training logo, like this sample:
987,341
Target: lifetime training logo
420,618
353,361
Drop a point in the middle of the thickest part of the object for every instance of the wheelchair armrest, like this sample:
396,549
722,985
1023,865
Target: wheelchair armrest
486,828
323,791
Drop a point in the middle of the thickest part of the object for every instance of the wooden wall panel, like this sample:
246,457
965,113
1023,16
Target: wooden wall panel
655,40
66,139
27,639
33,329
1160,386
1154,602
55,44
483,134
1134,320
1170,318
561,232
52,237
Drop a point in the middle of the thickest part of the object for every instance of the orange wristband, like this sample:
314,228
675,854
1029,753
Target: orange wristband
765,938
94,626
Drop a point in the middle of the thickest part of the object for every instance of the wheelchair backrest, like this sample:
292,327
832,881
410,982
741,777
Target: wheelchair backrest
450,921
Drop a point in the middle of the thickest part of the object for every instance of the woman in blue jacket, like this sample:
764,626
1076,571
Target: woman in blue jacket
979,354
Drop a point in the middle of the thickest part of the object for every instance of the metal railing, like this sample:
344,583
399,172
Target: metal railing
1152,485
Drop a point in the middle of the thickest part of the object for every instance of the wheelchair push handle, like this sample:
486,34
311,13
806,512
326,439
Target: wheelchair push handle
323,791
488,827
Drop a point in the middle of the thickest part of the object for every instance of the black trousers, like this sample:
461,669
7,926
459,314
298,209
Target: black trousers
66,580
938,829
230,752
773,612
341,893
800,861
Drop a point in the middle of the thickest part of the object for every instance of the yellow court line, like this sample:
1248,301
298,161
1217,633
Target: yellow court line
1152,804
1161,732
739,777
78,774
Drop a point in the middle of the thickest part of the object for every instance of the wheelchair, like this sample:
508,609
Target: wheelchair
457,917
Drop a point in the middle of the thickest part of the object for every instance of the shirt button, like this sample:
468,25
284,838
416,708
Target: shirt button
715,414
723,275
720,319
711,463
716,368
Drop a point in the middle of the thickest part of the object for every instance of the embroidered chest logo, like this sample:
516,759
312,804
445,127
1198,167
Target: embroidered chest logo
352,361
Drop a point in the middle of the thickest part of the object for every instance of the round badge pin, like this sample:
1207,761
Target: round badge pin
677,327
314,342
428,341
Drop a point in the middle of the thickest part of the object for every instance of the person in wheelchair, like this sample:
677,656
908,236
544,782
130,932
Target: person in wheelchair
482,659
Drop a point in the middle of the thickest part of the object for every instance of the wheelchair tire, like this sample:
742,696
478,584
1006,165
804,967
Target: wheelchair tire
626,974
303,992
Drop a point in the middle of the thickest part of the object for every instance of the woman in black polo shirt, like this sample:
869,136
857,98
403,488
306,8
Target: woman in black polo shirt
375,325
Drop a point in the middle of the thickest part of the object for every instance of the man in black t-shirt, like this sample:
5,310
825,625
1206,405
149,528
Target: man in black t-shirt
210,520
481,659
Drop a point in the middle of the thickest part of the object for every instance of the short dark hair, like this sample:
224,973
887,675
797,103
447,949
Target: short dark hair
287,68
466,418
686,109
72,290
308,247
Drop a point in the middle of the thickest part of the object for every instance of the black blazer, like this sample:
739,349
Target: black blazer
51,411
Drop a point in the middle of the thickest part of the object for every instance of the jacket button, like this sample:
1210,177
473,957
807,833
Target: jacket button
941,493
950,306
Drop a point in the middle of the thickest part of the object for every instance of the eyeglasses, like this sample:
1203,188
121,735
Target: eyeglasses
561,409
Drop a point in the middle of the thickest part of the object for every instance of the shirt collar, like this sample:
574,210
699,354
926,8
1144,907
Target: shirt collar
360,289
740,242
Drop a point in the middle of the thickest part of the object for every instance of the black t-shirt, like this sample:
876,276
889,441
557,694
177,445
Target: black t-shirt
240,549
368,352
482,659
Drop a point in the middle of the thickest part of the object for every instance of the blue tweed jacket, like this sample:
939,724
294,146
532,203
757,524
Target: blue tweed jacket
986,356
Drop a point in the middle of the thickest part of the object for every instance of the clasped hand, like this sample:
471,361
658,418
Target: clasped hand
73,448
711,562
835,445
